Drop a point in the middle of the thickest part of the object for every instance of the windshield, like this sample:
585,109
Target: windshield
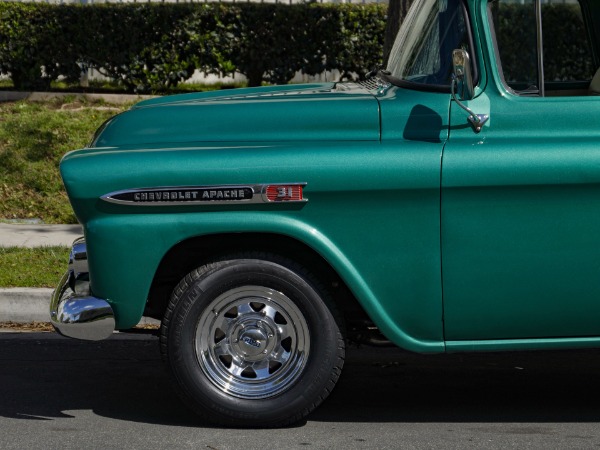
422,52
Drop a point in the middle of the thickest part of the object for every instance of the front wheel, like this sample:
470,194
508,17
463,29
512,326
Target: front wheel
252,341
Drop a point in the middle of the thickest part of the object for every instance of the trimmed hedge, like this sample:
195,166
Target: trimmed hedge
150,46
32,37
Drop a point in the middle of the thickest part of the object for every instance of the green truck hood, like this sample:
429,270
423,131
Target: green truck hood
317,112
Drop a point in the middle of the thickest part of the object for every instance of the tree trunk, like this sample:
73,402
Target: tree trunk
255,76
397,10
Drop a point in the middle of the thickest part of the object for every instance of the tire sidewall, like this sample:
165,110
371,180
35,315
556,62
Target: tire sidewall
305,391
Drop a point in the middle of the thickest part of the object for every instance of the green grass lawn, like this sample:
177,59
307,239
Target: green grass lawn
32,267
33,139
34,136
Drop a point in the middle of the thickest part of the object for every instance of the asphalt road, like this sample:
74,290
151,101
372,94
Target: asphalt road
57,393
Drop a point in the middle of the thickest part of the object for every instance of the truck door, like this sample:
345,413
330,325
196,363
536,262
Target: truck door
521,199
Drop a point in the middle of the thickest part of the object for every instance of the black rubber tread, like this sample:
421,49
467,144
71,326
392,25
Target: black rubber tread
217,265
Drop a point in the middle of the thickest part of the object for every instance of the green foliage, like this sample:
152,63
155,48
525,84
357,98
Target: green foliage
359,45
148,46
35,45
271,51
152,46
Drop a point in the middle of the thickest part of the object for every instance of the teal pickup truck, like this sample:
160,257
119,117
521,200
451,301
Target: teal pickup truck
449,203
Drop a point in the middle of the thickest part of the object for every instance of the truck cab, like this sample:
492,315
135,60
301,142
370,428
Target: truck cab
448,203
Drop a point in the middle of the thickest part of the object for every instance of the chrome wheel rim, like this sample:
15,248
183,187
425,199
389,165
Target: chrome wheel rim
252,342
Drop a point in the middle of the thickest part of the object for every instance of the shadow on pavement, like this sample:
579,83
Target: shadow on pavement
525,387
44,376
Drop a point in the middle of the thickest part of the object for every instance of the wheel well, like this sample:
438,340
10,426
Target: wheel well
189,254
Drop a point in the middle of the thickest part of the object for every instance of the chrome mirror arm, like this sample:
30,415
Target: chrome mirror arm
476,120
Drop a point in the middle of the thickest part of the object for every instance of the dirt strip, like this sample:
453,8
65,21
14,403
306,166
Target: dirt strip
47,326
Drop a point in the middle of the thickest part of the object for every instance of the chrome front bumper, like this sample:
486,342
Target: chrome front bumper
73,311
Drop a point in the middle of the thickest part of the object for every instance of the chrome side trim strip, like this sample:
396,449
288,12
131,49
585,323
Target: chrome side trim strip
207,195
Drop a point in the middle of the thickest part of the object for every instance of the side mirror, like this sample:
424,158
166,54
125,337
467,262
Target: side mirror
461,64
462,81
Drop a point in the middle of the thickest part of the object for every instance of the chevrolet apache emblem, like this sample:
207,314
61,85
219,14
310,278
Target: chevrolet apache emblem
194,195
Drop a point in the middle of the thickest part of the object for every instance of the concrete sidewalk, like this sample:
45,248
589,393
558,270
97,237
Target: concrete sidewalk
27,235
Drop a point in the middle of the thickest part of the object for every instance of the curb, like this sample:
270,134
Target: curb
24,305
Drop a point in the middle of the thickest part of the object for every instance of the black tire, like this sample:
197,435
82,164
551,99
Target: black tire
252,341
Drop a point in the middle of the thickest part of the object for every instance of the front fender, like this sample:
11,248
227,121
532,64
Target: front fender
125,252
